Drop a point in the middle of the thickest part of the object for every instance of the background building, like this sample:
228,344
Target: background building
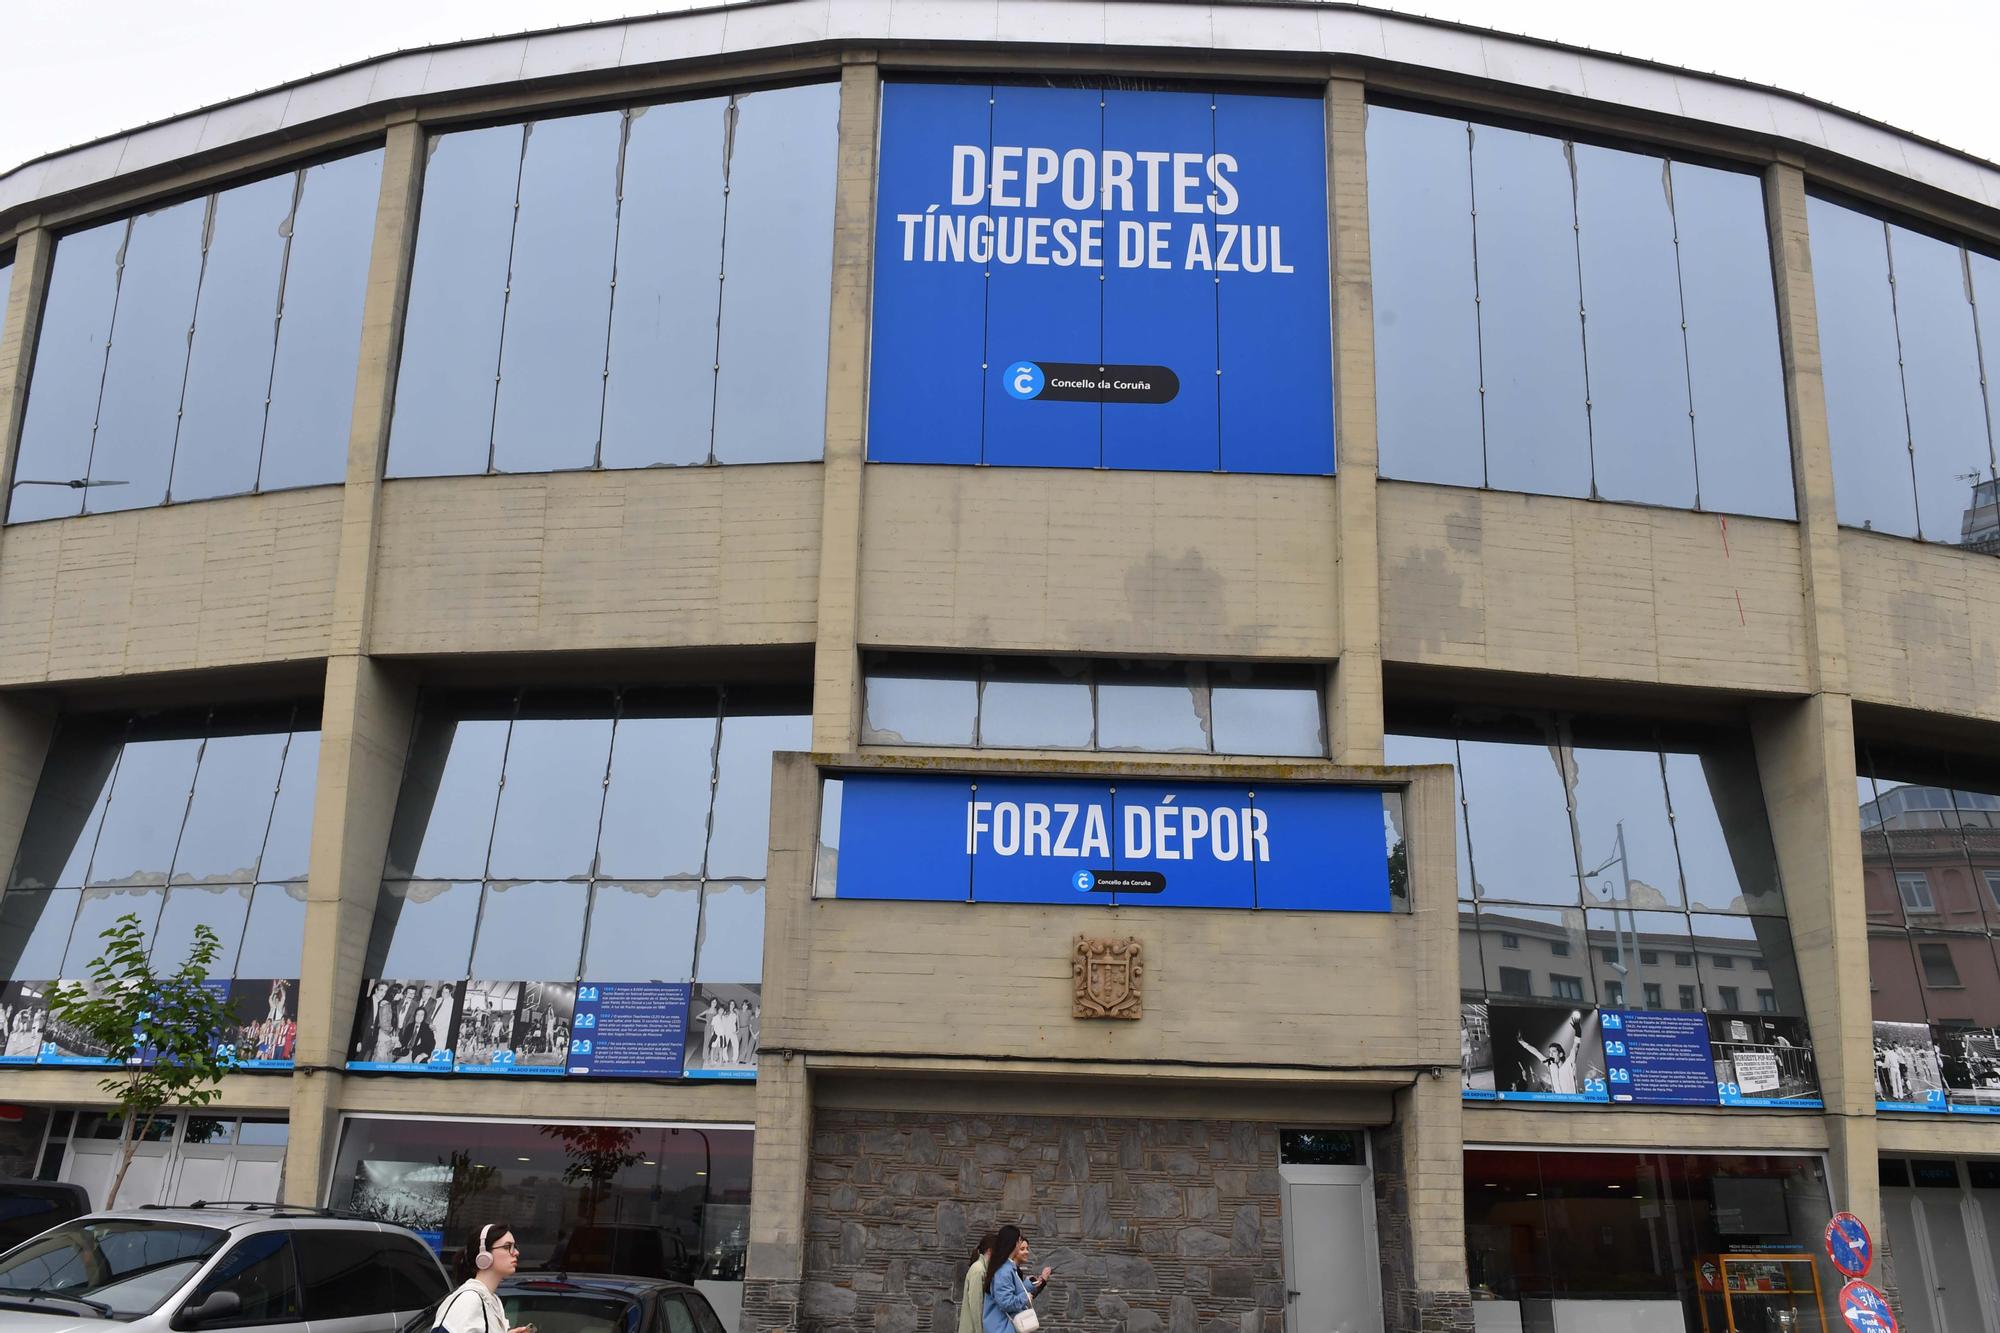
536,541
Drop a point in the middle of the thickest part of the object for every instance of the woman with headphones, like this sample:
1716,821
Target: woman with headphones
474,1305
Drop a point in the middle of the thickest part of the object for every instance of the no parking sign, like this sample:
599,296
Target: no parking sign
1847,1244
1865,1309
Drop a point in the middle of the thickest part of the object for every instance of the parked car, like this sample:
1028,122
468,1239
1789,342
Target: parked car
623,1247
175,1270
589,1303
30,1207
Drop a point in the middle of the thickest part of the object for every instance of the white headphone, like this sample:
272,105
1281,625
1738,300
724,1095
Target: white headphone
484,1259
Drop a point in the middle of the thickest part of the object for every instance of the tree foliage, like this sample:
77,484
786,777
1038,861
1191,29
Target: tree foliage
163,1032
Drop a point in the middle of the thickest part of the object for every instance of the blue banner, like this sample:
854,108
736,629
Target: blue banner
1658,1059
634,1029
1083,277
1132,844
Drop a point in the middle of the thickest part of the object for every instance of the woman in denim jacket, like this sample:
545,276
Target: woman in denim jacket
1007,1291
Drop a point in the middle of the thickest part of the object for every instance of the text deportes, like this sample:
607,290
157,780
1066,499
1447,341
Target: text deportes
1163,832
1105,179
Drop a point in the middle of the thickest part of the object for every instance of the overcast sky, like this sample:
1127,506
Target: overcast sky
75,70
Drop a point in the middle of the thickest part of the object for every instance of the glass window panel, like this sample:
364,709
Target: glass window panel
1727,860
1523,946
1471,973
288,846
235,332
1426,326
98,911
659,398
148,803
274,936
230,811
558,296
1419,750
1760,950
1143,706
1872,482
1266,719
1625,837
1940,380
732,933
1985,272
1642,954
319,333
552,799
1517,818
1743,450
656,808
937,708
70,799
148,363
458,280
1895,994
1933,885
739,836
1036,705
1961,983
1878,870
34,932
1531,337
530,931
1640,439
423,930
444,815
68,373
220,907
778,284
642,932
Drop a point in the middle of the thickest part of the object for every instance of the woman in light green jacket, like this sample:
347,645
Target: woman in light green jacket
972,1299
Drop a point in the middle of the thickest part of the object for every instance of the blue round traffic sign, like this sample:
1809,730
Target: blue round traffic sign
1865,1309
1847,1244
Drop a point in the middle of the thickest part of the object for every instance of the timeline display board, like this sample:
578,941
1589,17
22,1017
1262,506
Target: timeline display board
1634,1057
939,838
554,1029
263,1035
1101,277
1937,1068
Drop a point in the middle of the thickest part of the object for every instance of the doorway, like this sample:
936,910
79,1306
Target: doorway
185,1157
1333,1273
1943,1220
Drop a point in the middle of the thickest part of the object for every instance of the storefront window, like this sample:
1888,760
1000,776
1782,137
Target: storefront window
1084,704
1616,1240
645,1200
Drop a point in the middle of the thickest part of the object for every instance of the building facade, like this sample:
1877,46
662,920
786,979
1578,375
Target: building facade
1344,664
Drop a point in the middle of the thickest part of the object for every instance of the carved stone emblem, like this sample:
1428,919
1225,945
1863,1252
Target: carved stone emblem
1106,974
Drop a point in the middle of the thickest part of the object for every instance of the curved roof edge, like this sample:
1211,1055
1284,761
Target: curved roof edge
1284,28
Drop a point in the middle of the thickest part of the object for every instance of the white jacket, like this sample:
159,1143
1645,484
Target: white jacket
480,1312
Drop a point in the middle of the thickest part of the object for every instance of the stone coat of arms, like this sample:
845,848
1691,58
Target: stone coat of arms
1106,974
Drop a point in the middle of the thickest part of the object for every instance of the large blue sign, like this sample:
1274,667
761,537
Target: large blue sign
1084,277
1135,844
1658,1058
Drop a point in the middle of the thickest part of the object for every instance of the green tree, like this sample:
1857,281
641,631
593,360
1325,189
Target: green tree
163,1032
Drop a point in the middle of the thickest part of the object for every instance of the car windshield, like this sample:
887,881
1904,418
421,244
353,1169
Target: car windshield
120,1267
571,1312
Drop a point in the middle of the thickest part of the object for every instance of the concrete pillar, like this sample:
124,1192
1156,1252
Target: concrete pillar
1805,749
1354,705
18,326
26,728
836,661
369,709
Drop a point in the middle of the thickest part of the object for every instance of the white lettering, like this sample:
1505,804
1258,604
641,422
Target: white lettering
1278,264
1117,182
1158,234
1035,834
909,221
1255,825
1226,232
1186,182
1154,161
1131,244
974,825
1194,826
1006,828
1038,241
1093,243
1065,237
1063,845
968,173
1224,838
1197,248
1079,179
1005,175
1166,832
1096,840
1224,198
1138,831
979,244
1041,171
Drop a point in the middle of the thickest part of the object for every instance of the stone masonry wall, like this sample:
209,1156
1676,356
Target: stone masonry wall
1154,1226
